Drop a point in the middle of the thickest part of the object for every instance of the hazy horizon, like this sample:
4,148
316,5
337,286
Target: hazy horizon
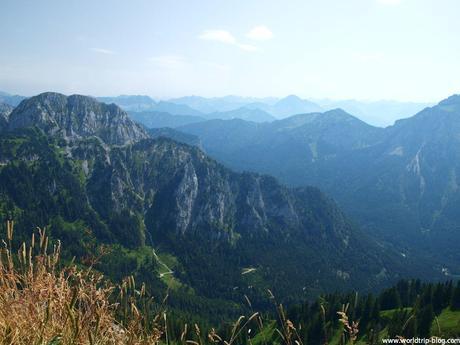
168,98
367,50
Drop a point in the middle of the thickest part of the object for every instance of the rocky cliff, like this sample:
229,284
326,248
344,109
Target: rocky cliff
76,116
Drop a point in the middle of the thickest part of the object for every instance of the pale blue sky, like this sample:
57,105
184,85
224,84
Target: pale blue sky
362,49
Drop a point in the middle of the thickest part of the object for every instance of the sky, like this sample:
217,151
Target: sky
407,50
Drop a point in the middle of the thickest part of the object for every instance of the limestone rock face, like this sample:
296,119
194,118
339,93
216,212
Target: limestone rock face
5,111
76,116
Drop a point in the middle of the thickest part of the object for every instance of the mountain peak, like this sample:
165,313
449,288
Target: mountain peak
328,118
51,95
76,116
12,100
340,114
292,105
56,99
290,99
452,100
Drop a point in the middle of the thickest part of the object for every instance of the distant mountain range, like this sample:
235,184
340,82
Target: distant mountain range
275,108
72,163
130,102
145,103
377,113
244,113
290,105
221,104
157,119
169,114
9,99
175,135
400,182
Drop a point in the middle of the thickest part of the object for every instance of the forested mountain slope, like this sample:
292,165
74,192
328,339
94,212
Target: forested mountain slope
228,233
400,182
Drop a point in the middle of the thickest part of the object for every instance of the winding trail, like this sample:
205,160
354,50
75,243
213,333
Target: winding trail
168,270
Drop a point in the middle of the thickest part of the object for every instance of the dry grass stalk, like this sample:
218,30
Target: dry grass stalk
350,329
41,303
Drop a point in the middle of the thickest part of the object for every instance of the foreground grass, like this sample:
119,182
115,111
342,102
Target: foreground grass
388,314
45,303
447,324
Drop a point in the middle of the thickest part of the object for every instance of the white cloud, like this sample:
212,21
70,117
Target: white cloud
218,36
225,37
260,33
389,2
103,51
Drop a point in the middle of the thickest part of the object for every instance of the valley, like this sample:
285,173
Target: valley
399,183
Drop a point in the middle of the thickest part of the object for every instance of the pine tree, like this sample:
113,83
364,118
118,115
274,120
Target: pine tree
367,313
403,287
438,299
375,315
317,334
413,293
449,290
455,302
374,324
395,325
373,336
390,299
425,318
426,297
